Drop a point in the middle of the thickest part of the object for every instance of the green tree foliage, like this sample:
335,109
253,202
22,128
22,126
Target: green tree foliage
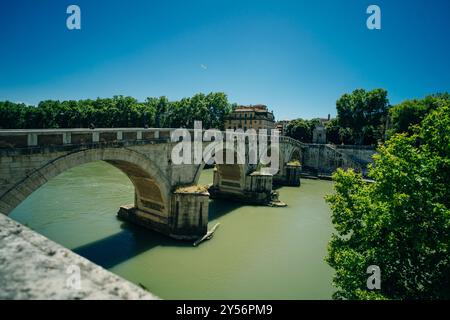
334,132
401,222
301,129
361,119
12,114
411,112
118,111
363,114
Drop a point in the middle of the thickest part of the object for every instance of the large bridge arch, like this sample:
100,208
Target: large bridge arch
230,175
288,153
152,188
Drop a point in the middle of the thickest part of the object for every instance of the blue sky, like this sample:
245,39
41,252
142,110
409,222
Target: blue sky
297,57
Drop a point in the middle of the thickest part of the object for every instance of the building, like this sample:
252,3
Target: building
319,134
282,126
279,127
320,131
250,117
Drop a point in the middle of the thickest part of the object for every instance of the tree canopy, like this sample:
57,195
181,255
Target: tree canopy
361,119
405,115
400,222
118,111
364,113
301,129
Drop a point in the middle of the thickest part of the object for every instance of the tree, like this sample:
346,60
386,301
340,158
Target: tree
119,111
218,108
364,112
11,115
400,222
333,135
300,129
411,112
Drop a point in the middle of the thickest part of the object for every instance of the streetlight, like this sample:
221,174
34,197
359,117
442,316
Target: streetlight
145,120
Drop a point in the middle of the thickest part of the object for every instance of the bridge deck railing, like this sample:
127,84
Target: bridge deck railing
57,137
26,138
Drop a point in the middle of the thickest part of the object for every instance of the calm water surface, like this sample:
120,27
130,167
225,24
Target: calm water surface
257,252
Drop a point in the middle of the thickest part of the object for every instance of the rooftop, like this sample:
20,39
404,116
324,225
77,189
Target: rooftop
255,108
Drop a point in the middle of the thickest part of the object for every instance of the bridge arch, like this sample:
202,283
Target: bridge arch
295,154
152,189
235,171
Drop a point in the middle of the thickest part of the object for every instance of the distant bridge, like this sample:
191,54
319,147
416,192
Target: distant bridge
165,199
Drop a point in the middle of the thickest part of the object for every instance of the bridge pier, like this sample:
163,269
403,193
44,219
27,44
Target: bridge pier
189,212
255,188
188,216
290,175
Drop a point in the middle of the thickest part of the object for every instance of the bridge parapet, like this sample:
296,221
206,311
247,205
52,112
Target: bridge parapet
59,137
32,138
286,139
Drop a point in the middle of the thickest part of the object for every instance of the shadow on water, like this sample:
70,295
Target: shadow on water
218,208
124,245
133,240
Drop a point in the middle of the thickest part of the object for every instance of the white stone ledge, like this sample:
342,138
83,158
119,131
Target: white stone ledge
34,267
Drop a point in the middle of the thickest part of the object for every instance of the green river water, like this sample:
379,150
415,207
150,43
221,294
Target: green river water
256,253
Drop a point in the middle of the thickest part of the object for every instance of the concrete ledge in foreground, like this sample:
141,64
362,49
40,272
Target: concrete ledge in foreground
34,267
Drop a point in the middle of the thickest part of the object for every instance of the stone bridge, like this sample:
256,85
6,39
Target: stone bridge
167,198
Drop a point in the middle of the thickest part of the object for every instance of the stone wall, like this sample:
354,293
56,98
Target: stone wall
362,154
325,159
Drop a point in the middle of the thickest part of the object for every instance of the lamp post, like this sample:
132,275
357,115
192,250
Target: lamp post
145,120
61,114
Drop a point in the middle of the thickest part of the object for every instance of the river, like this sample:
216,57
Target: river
256,253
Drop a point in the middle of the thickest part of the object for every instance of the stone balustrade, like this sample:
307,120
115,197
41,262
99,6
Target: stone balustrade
25,138
57,137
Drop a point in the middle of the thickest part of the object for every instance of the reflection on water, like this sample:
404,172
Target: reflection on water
257,253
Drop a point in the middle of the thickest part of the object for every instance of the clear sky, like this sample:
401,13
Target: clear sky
297,57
